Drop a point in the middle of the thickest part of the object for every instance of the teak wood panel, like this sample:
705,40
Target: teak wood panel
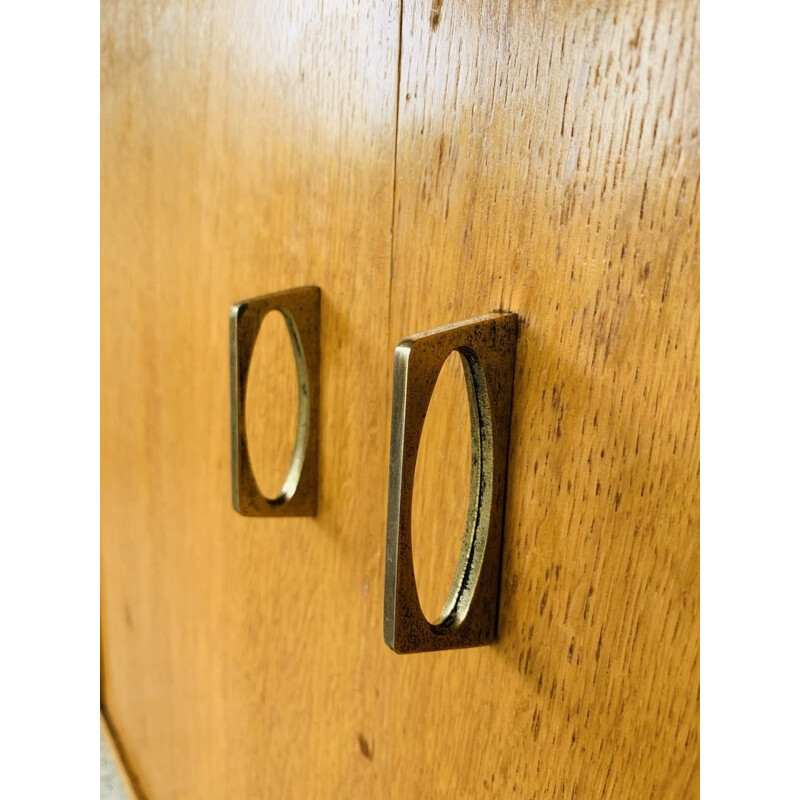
246,148
547,163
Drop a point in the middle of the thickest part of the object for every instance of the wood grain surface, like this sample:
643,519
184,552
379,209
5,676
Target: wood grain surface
548,164
245,149
540,158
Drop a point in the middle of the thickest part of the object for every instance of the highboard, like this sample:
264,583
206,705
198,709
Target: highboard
422,162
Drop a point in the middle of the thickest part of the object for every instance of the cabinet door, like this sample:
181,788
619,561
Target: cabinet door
548,163
246,148
422,163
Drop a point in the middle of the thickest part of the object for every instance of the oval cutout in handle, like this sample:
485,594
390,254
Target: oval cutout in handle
441,488
271,413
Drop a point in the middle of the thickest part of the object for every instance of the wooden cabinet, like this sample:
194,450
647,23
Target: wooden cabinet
422,163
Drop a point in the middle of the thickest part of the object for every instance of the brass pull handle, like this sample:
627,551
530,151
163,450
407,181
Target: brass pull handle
487,345
301,311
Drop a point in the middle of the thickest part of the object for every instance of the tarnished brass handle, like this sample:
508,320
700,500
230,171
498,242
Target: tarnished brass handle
301,310
488,348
